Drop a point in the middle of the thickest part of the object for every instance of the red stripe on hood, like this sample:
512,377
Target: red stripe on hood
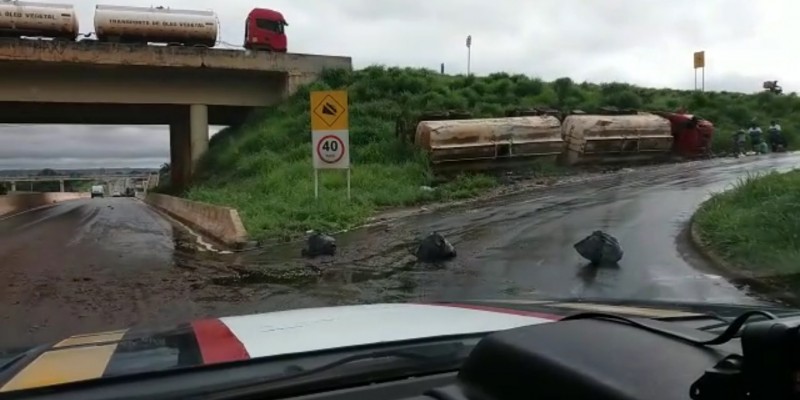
500,310
217,343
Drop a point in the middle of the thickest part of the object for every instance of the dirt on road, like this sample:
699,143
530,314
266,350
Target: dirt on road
105,264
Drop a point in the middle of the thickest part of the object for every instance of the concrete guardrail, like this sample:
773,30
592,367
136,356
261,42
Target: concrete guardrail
219,223
18,202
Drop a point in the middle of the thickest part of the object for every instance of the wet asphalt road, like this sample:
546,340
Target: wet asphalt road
522,246
104,264
85,265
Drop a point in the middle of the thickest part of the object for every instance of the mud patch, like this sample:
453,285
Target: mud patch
243,276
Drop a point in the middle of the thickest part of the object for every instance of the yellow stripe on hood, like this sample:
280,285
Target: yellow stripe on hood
63,364
629,310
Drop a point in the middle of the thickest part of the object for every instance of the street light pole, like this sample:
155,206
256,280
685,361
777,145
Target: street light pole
469,53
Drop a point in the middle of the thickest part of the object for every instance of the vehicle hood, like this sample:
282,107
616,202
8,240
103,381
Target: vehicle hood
216,340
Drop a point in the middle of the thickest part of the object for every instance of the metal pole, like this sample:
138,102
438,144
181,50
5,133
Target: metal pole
469,59
348,184
316,183
695,79
704,79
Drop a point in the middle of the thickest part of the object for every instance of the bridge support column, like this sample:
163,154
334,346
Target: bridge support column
188,142
294,80
61,185
198,117
13,186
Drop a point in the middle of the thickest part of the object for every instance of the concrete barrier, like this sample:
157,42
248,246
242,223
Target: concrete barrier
18,202
220,223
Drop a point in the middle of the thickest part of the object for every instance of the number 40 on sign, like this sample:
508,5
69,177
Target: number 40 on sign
330,144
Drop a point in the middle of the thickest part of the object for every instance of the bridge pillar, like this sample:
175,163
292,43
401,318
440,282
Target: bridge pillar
13,186
188,142
61,185
179,151
294,80
198,117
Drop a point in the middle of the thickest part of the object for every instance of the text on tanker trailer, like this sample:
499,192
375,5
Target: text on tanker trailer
264,28
157,25
19,18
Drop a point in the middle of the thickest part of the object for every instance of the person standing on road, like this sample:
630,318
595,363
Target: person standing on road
776,140
756,134
739,142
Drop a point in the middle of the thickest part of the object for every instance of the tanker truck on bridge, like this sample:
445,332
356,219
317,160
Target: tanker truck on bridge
574,139
264,28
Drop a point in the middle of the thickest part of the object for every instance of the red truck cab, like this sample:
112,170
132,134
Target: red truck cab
264,30
692,135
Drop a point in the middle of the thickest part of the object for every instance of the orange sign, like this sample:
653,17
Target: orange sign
699,59
329,111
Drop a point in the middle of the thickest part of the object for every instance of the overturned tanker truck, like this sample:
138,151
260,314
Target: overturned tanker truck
577,138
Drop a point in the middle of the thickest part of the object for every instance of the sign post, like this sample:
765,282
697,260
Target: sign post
469,53
700,63
330,134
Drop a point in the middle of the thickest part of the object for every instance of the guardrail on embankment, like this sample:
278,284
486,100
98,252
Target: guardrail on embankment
219,223
18,202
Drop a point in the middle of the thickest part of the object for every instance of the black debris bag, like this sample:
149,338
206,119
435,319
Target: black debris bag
319,244
434,248
600,248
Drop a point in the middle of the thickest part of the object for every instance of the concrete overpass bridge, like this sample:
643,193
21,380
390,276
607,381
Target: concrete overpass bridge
148,181
87,82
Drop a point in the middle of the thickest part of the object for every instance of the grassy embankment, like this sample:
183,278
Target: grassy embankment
263,168
755,225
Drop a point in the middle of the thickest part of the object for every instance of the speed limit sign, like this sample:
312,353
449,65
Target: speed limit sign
330,133
331,149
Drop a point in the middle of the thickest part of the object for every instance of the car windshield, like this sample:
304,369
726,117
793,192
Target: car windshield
173,197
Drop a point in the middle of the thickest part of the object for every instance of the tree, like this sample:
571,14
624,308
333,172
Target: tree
563,88
48,172
624,99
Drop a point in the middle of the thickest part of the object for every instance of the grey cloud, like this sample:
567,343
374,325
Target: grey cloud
66,146
72,163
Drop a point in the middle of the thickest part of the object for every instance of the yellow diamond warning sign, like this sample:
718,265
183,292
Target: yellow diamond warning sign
329,111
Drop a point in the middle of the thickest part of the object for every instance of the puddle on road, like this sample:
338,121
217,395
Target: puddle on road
359,273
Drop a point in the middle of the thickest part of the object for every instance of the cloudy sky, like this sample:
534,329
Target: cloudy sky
646,42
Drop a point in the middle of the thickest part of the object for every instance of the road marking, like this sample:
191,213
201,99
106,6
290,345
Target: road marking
9,216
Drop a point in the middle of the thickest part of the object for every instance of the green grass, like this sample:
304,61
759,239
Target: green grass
756,225
263,167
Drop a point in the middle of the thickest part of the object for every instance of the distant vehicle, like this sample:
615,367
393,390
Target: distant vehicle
772,87
97,191
116,194
264,28
130,192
